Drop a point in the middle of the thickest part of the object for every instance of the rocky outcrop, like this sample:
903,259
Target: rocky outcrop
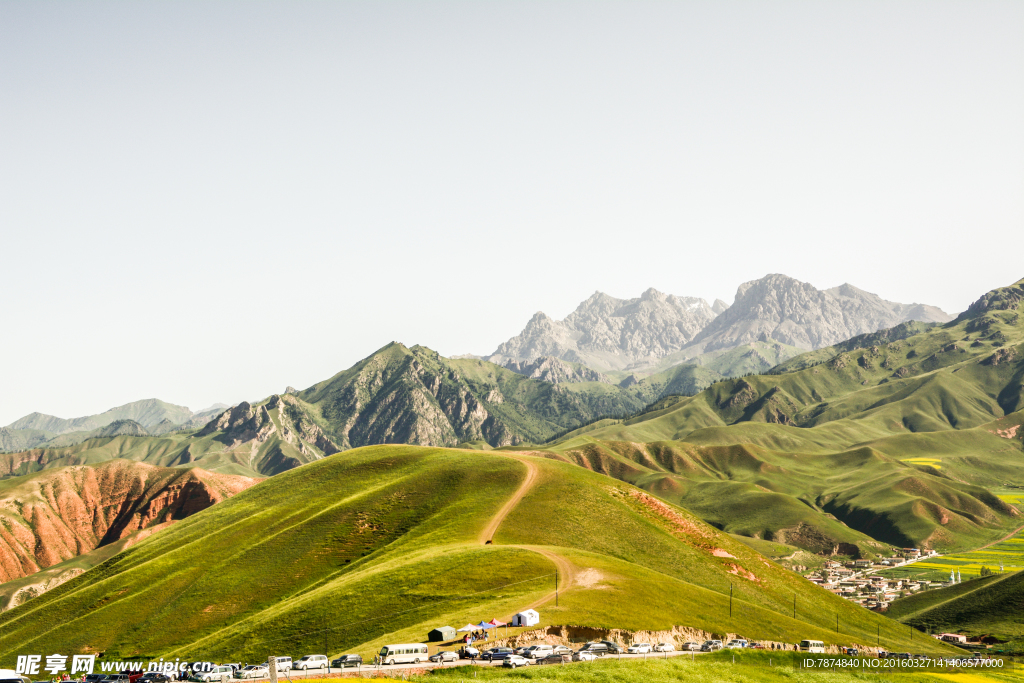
413,395
794,313
608,333
59,514
554,370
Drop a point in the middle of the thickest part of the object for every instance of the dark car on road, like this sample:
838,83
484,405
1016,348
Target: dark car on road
613,648
555,658
347,660
497,653
154,677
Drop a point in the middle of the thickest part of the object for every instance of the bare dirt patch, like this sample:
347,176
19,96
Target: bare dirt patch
589,578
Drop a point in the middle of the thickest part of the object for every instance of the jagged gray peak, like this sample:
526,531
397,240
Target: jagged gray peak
554,370
608,333
780,308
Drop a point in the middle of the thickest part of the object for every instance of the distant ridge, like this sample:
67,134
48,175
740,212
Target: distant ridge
657,331
150,416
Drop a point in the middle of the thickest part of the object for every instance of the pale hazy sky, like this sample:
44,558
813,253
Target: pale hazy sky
210,201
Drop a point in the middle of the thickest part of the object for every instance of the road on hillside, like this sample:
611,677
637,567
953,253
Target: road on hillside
318,673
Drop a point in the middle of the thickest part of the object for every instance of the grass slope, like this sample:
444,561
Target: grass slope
383,543
891,437
992,605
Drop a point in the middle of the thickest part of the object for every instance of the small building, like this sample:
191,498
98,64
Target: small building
439,635
952,637
527,617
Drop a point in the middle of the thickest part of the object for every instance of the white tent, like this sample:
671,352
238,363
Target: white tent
527,617
467,627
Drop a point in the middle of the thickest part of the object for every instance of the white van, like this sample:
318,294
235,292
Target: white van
812,646
310,662
539,651
410,653
11,676
215,673
283,663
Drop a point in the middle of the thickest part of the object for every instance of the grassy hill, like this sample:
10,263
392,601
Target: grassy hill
893,437
990,605
381,544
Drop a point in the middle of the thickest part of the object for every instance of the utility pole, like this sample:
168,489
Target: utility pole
837,622
730,601
556,588
878,635
794,605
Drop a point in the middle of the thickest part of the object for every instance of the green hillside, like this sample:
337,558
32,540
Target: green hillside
992,605
892,438
383,543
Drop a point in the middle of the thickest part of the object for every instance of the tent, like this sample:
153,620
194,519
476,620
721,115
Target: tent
484,625
441,634
495,622
527,617
467,628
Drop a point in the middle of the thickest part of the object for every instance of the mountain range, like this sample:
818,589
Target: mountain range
139,418
897,436
656,330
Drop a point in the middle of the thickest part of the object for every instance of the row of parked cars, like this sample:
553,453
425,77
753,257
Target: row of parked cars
551,654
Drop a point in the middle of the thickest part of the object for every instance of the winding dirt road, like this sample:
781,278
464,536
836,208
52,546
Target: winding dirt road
566,570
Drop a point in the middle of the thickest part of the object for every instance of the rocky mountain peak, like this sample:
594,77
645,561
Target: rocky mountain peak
607,333
784,309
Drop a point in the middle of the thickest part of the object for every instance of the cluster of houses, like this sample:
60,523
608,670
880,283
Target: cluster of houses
855,581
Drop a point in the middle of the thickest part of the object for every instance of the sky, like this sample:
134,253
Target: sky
207,202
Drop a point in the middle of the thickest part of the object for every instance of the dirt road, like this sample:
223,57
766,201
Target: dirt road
531,478
566,570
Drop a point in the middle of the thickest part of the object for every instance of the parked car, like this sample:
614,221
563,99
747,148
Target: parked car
346,661
595,648
711,645
253,671
852,651
585,656
94,678
512,661
445,656
664,647
116,678
213,674
154,677
736,644
613,648
234,665
561,650
468,652
497,653
690,646
555,658
639,648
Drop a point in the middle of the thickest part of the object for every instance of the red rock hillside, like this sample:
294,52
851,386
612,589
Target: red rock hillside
58,514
